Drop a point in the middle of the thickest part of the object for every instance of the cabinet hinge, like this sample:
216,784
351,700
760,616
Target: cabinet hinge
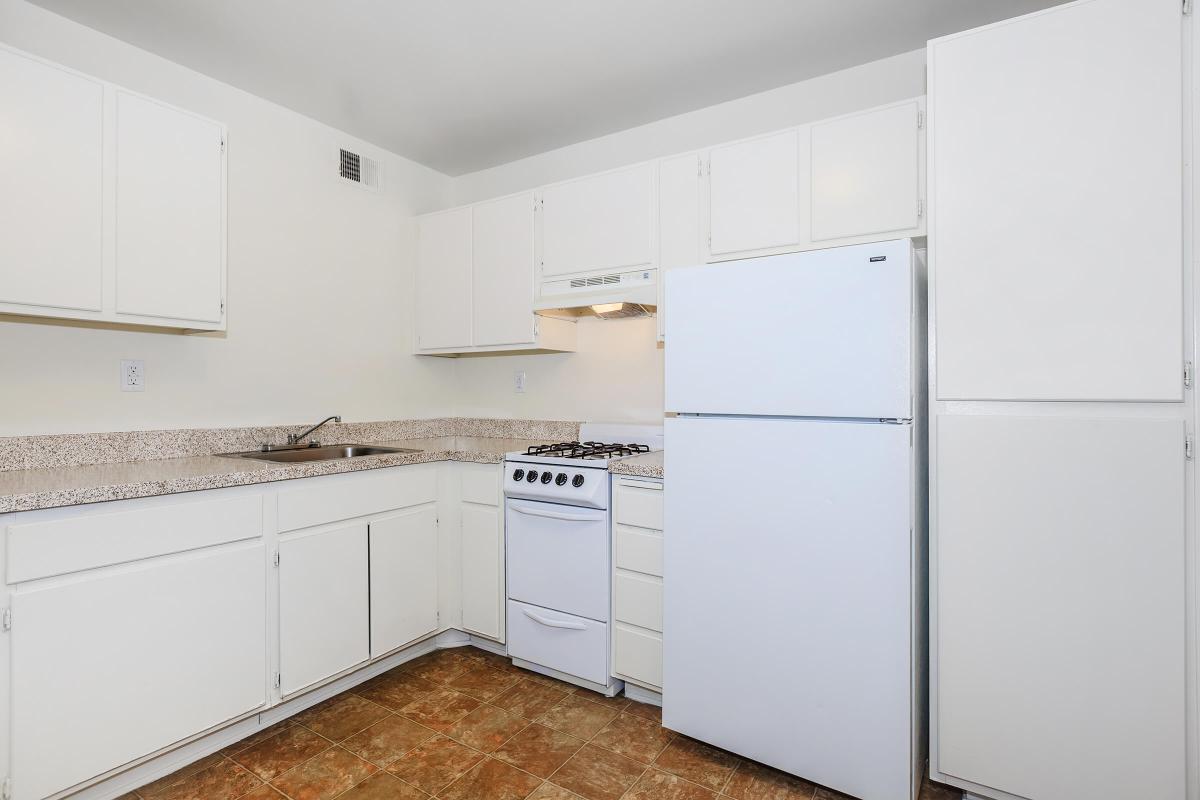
222,144
920,118
1187,7
1187,447
1187,374
275,560
6,619
278,680
6,789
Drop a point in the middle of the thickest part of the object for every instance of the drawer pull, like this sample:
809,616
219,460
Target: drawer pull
554,623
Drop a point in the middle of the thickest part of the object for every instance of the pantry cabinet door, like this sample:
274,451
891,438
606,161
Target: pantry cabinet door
324,607
50,173
404,585
678,220
170,218
601,222
754,197
502,270
866,173
444,280
1056,205
113,664
483,570
1059,561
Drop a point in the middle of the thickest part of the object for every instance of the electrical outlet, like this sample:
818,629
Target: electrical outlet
519,382
133,375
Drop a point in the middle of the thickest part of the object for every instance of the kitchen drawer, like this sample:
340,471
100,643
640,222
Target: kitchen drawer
637,655
316,501
564,642
73,540
638,600
639,550
480,483
639,503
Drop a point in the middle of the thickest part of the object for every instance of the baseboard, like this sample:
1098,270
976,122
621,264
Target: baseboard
635,692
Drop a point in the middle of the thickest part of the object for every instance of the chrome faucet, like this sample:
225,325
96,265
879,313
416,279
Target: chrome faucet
296,438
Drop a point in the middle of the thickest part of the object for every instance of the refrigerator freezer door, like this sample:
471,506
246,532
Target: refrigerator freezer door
788,604
819,334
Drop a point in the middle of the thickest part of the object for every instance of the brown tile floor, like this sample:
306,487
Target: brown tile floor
465,724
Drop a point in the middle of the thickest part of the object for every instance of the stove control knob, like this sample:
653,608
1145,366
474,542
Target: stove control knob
518,474
547,477
577,481
561,479
531,476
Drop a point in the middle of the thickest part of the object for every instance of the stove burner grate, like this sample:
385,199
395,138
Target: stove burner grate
586,450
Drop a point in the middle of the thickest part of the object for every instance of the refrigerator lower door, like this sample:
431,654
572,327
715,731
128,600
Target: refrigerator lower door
827,333
788,596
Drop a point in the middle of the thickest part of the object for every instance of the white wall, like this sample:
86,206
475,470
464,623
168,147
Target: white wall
617,374
319,279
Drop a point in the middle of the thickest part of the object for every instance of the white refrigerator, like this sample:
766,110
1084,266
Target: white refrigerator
794,576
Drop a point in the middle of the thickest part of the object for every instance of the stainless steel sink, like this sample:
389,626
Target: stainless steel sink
329,452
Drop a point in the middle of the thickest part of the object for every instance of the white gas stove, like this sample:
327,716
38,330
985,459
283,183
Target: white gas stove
558,552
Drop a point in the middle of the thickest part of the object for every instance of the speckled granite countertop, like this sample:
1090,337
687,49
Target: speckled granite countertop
30,489
647,465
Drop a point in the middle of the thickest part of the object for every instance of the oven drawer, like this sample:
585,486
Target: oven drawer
558,557
564,642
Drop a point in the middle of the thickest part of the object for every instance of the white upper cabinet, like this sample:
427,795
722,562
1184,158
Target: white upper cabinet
444,280
678,220
502,270
754,197
866,172
1056,192
601,222
170,184
114,202
51,161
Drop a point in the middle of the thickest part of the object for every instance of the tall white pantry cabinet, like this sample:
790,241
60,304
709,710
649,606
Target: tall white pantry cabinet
1061,530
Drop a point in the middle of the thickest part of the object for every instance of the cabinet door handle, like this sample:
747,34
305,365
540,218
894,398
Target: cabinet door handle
556,515
554,623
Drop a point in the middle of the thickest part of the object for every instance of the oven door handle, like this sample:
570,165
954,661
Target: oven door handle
532,512
554,623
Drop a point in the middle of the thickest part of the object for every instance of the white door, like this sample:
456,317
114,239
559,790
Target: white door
50,170
180,644
404,585
806,553
1059,604
323,604
502,287
754,197
482,570
558,557
819,334
1056,205
866,173
602,221
170,217
678,220
444,280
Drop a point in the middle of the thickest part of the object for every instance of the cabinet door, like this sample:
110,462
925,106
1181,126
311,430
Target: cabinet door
323,605
1059,601
599,222
483,570
404,586
1056,205
678,220
51,139
170,212
866,173
112,665
502,290
444,280
754,198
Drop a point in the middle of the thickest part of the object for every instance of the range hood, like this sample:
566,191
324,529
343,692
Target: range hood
608,295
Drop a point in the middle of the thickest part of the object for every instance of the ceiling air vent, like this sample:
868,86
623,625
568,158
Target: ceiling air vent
359,169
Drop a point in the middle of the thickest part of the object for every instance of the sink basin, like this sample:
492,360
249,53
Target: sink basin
330,452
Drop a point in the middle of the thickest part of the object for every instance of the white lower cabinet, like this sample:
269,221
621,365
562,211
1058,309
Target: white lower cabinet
482,557
113,664
637,582
404,578
323,604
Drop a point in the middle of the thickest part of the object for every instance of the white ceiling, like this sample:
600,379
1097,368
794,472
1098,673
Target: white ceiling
460,85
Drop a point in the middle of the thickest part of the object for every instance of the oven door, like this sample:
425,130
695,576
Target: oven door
558,557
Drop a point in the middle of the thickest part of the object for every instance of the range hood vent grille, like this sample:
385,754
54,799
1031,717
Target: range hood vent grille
596,280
